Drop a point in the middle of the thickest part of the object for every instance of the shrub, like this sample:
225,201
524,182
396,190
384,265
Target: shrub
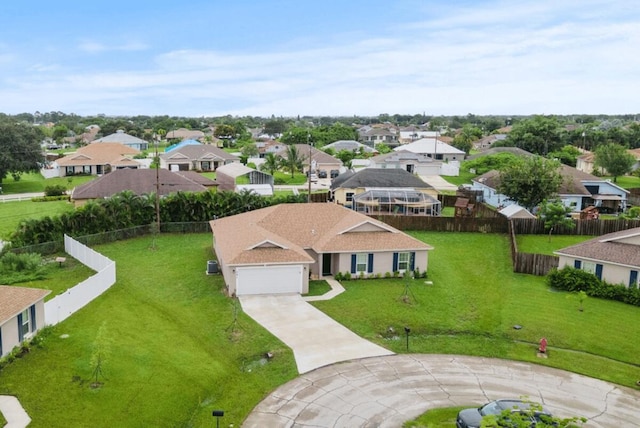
571,279
20,262
337,276
387,275
346,276
416,272
55,190
378,275
396,274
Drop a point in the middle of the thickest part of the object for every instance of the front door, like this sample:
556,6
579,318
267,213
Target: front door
326,264
410,168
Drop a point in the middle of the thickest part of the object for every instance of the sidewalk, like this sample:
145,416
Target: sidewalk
13,412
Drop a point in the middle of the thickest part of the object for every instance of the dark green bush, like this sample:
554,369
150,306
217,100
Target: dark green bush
55,190
573,280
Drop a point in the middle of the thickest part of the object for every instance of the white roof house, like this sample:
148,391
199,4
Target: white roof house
434,148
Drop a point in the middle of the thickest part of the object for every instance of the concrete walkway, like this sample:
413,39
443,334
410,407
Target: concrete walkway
316,339
336,289
13,412
438,182
387,391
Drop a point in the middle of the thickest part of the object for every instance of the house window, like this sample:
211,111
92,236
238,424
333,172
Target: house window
25,325
86,169
403,261
589,267
99,169
439,157
206,166
349,196
361,262
69,170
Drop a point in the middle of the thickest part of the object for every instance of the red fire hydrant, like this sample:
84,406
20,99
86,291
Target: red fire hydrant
543,346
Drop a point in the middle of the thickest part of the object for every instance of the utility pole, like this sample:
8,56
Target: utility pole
309,175
157,162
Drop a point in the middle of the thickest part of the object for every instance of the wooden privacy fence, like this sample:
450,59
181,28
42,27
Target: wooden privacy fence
447,224
533,264
534,226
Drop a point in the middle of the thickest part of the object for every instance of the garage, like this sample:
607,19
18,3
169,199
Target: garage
269,280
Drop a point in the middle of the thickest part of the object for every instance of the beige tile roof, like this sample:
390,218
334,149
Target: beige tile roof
14,300
321,227
100,154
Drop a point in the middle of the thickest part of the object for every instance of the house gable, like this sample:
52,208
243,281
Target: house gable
267,243
367,226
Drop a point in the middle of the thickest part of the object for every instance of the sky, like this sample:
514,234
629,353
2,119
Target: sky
332,57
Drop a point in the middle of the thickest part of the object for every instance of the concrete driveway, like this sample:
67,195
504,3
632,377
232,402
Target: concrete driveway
316,339
387,391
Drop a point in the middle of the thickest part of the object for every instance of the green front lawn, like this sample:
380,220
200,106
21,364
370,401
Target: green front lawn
11,213
35,182
475,302
285,178
626,182
436,418
541,244
176,353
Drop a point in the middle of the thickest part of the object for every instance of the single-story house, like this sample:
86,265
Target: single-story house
182,144
21,315
237,177
123,138
434,148
371,136
279,248
577,191
414,163
586,161
614,257
198,157
350,145
408,135
345,186
97,159
140,182
485,143
184,134
320,161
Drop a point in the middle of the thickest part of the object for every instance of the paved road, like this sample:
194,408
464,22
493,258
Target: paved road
316,339
387,391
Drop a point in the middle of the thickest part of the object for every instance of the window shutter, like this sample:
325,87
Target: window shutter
33,318
395,262
370,264
577,264
353,263
633,279
20,335
412,261
599,271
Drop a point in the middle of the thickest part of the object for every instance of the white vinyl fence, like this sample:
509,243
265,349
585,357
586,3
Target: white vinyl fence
64,305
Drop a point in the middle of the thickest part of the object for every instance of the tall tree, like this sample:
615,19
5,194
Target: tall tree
271,163
530,181
465,138
19,149
615,159
539,135
554,213
292,160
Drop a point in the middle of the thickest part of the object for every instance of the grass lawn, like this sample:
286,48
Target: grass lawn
541,244
35,182
475,301
436,418
175,352
285,178
12,212
464,177
626,182
318,288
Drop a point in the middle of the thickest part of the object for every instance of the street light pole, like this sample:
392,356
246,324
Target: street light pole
157,162
309,175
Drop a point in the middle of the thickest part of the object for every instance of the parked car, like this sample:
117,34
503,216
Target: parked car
313,177
472,418
322,174
334,173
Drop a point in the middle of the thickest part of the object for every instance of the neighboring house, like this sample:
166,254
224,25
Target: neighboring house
319,159
97,159
350,145
586,161
373,136
197,157
411,135
269,146
414,163
349,184
614,258
123,138
138,181
237,177
516,211
485,143
278,249
184,134
434,148
578,190
21,315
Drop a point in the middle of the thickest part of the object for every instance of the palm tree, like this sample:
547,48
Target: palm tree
271,163
292,160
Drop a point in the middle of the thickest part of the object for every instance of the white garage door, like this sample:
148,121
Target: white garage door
269,280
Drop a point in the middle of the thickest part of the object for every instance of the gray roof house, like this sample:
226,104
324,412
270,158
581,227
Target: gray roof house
350,145
123,138
614,257
198,157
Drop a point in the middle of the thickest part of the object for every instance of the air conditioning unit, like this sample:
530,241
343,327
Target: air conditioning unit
212,267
